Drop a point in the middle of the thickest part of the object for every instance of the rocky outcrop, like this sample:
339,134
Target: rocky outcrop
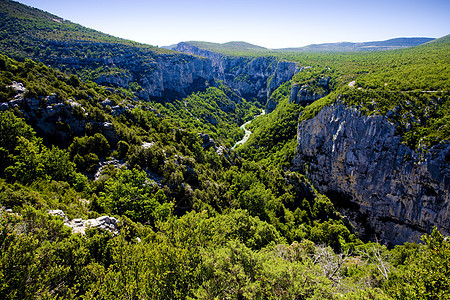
51,117
215,58
361,163
58,120
306,94
253,77
207,142
107,223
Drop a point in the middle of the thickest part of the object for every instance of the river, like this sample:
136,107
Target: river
247,132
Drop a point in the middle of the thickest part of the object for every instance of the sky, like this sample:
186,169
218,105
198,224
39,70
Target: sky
272,24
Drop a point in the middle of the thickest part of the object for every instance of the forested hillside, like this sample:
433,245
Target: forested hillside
115,188
409,86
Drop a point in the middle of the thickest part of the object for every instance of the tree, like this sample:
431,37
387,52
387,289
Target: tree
426,274
130,193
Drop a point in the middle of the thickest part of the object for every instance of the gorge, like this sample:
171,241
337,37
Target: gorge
131,171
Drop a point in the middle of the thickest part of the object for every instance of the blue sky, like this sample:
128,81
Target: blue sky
272,24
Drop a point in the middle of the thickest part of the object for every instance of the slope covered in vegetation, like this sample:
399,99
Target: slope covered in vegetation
195,219
409,86
24,30
196,223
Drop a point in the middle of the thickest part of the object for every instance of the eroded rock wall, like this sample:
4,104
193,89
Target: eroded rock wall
165,76
385,187
253,77
161,75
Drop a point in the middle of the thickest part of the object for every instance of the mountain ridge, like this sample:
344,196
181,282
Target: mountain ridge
390,44
240,47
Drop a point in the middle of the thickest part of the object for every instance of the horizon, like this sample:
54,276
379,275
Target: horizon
288,24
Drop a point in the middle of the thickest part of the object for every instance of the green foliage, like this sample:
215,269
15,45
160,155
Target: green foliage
317,80
197,220
122,149
130,194
426,271
96,144
273,138
11,128
240,225
217,111
38,25
189,258
313,109
281,92
26,158
39,256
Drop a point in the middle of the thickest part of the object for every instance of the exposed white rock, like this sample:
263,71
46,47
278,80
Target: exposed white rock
147,145
18,87
79,225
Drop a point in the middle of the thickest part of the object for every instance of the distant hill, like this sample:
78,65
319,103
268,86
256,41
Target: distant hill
226,48
391,44
241,48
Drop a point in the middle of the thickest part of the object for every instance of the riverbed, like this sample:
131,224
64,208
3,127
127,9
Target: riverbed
247,132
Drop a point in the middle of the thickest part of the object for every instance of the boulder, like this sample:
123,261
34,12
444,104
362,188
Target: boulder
59,213
78,225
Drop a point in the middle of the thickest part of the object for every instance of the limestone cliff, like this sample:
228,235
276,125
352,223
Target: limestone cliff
58,120
253,77
384,187
165,75
160,75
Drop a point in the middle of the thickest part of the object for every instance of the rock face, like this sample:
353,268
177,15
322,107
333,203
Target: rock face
362,165
305,94
160,75
254,78
165,76
58,120
51,116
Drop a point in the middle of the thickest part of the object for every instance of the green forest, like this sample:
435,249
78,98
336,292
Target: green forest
189,218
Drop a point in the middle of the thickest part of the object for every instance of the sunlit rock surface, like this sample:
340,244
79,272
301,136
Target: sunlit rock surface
361,163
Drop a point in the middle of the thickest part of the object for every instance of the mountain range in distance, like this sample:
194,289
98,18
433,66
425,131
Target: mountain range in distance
239,46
